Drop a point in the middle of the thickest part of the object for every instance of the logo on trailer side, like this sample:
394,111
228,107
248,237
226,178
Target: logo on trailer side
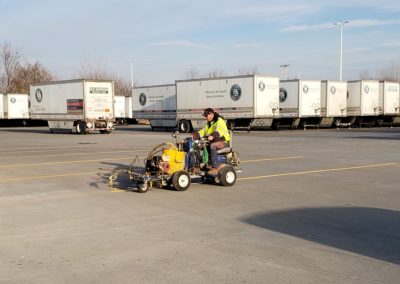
142,99
236,92
282,95
38,95
261,86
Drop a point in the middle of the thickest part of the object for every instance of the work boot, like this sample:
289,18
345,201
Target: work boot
213,171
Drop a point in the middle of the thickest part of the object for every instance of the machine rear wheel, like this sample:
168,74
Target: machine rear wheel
227,176
181,180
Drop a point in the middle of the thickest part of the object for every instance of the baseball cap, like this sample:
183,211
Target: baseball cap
207,111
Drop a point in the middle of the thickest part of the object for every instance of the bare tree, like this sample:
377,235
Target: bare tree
216,73
99,71
390,73
9,60
27,75
248,71
364,75
191,73
122,87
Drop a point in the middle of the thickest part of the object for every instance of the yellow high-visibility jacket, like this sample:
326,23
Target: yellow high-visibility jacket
219,126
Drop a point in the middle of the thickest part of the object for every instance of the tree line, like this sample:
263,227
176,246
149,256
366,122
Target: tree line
387,73
16,75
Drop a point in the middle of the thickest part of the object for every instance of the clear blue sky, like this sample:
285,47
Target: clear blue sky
165,38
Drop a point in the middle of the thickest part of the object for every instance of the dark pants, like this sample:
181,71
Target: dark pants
214,147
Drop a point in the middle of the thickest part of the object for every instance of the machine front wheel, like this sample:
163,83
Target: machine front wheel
227,176
181,180
142,187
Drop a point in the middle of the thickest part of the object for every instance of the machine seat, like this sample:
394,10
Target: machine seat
225,150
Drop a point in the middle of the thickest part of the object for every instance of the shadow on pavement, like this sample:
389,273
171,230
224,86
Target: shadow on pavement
371,232
121,183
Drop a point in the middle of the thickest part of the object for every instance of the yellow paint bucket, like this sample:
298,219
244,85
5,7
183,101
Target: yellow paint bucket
175,159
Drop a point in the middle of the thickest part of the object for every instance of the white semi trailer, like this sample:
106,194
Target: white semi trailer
300,102
333,103
14,108
244,101
389,103
363,101
80,105
120,109
156,103
128,108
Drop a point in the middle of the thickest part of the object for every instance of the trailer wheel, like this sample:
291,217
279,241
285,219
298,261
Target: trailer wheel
181,180
142,187
231,124
80,127
275,125
184,126
227,176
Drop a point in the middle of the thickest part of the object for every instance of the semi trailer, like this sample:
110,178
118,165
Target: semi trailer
75,105
389,103
300,103
155,103
363,101
244,101
333,103
14,108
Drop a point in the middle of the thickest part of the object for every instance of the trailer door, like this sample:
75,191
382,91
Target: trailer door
99,100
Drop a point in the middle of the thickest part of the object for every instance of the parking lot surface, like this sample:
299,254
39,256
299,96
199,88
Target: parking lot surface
315,206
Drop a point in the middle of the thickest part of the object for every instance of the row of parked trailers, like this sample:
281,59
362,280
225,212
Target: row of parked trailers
72,105
16,107
264,101
244,101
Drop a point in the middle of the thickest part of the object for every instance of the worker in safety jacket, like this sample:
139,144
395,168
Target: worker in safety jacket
217,134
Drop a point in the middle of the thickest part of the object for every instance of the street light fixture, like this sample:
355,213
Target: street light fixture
131,61
341,25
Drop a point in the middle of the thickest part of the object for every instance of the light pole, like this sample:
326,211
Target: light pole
285,66
341,25
131,61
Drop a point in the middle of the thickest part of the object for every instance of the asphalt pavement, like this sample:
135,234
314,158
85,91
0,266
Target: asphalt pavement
314,206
